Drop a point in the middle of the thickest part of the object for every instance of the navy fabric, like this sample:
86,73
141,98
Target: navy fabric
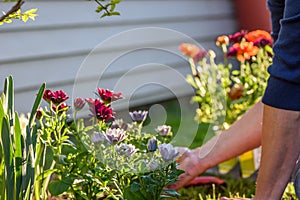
283,90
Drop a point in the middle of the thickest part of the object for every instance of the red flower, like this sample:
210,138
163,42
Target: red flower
100,110
200,56
55,97
60,108
237,37
109,96
78,103
39,114
48,95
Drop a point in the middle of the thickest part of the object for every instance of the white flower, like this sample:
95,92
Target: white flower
126,149
115,135
163,130
97,137
167,151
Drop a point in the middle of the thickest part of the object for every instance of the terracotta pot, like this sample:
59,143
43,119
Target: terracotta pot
253,14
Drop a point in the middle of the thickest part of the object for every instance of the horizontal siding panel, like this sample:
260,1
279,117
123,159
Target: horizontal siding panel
56,47
63,70
47,42
57,13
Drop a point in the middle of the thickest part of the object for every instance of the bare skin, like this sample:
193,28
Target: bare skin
280,150
242,136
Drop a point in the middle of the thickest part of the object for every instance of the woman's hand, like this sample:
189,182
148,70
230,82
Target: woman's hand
191,164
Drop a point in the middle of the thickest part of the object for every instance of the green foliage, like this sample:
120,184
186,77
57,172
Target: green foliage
19,15
226,90
108,9
105,8
16,149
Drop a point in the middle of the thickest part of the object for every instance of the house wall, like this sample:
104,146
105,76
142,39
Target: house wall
70,48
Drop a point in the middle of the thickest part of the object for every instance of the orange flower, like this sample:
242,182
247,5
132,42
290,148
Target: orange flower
223,39
245,50
189,49
257,36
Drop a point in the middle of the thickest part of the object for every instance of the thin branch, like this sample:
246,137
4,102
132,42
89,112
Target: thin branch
14,9
102,6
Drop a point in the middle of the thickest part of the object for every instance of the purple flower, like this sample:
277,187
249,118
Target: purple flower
115,135
168,152
138,116
125,149
97,137
152,145
118,123
163,130
263,42
79,103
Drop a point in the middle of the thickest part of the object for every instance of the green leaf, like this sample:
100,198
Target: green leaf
45,174
135,187
170,193
58,187
8,158
18,153
36,104
10,97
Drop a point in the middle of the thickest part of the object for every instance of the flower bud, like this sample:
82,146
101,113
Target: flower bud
79,104
152,145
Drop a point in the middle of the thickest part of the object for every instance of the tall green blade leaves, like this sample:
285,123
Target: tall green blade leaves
8,158
18,155
36,104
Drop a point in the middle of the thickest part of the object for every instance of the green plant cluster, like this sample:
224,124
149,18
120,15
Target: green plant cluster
101,158
226,90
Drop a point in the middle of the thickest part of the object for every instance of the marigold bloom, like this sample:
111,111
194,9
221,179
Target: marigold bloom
259,37
108,96
189,49
223,39
243,51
